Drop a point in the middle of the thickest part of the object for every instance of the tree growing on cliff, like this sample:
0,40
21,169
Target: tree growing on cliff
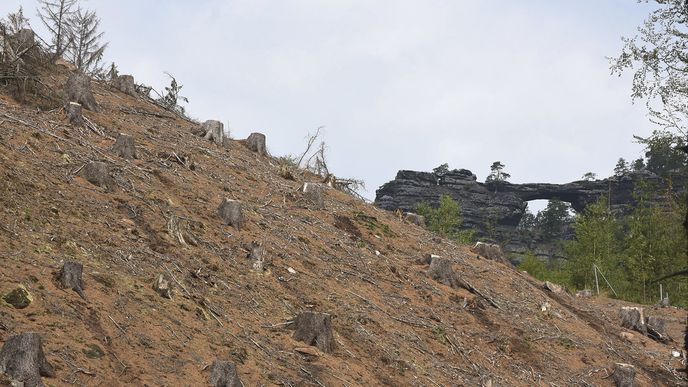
497,173
621,168
663,152
589,176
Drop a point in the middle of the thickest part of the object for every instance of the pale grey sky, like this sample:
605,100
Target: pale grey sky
398,84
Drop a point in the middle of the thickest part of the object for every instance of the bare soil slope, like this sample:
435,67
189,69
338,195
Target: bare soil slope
392,323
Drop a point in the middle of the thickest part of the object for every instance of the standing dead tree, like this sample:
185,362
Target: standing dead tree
84,47
55,15
19,54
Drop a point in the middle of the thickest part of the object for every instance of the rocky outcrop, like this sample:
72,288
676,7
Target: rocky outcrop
495,209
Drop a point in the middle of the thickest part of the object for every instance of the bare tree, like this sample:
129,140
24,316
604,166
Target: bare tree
84,47
55,15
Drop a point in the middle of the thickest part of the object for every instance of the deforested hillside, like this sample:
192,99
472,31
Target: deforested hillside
290,287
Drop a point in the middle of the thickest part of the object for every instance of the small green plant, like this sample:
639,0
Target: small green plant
446,219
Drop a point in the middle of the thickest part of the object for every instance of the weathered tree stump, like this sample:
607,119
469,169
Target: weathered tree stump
656,328
585,293
78,89
98,173
163,287
552,287
69,277
490,251
632,318
74,114
624,375
224,374
441,271
124,147
212,130
23,360
418,220
231,213
19,297
125,84
315,328
257,257
314,193
256,143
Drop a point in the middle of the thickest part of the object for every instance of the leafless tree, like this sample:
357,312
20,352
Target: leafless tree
55,15
84,47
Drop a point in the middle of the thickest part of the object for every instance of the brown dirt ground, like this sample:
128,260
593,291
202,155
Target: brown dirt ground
392,324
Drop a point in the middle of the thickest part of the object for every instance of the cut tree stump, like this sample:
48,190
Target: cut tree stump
552,287
124,147
256,143
98,173
418,220
78,89
656,328
224,374
490,251
315,328
314,193
624,375
441,271
163,287
69,277
74,113
125,84
632,318
19,297
231,213
23,360
257,257
212,130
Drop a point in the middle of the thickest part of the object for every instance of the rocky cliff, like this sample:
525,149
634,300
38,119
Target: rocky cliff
495,209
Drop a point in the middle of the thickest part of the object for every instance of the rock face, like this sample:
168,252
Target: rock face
500,206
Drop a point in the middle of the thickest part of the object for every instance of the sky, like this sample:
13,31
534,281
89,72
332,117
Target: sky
397,84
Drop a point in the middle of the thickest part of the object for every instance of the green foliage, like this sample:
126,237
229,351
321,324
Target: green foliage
497,173
441,170
445,219
663,152
171,98
552,221
553,272
589,176
621,167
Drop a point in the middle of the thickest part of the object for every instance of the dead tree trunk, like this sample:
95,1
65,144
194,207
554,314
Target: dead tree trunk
624,375
98,173
212,130
257,257
231,213
78,89
163,287
656,329
125,84
224,374
256,143
315,329
73,110
23,360
69,277
124,147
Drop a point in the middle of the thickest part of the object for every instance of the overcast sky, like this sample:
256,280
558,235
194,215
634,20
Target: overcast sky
397,84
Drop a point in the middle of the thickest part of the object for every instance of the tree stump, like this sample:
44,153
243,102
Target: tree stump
632,318
441,271
552,287
124,147
624,375
125,84
256,143
490,251
69,277
315,328
98,173
656,328
257,257
212,130
314,193
418,220
74,114
19,298
163,287
231,213
224,374
23,360
78,89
